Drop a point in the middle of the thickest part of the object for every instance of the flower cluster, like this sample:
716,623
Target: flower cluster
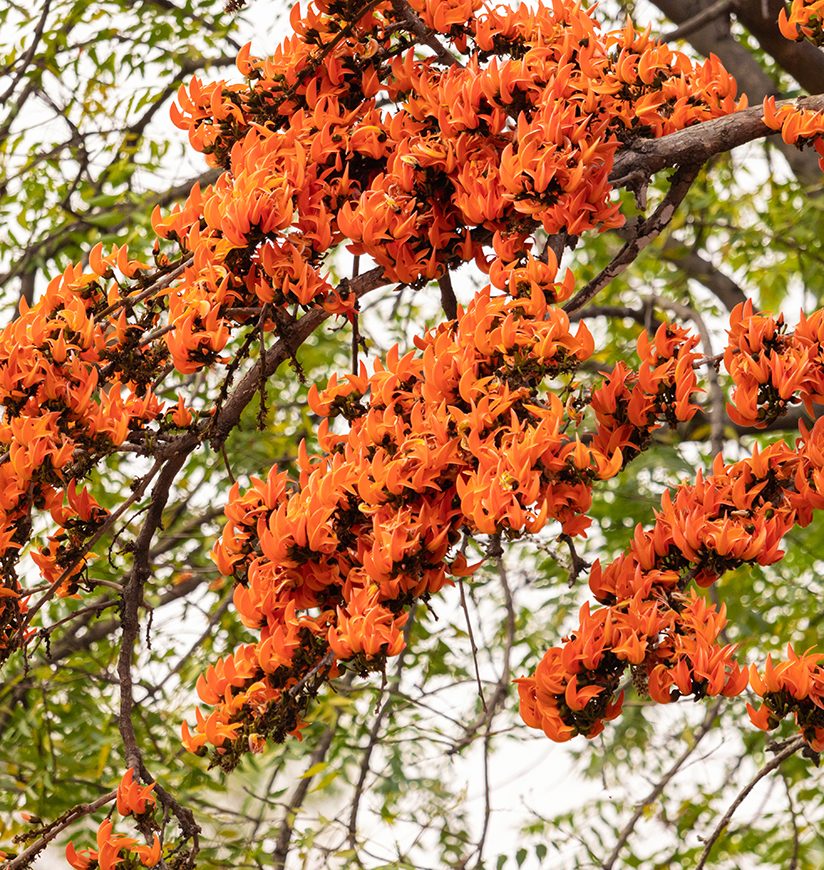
456,437
520,130
805,21
74,384
798,126
347,135
771,368
629,406
516,129
652,622
794,686
112,848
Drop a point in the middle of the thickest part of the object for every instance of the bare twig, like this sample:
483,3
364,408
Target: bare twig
374,734
222,607
158,284
658,789
298,796
484,720
790,749
793,865
647,232
472,644
29,54
487,799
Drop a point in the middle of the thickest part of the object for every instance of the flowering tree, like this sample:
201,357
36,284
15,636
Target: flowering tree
388,145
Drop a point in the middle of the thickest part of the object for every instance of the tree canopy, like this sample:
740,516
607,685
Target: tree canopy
468,396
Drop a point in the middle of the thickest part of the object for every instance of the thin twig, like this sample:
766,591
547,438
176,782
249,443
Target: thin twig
29,54
790,749
158,284
374,733
287,826
50,831
658,789
499,695
793,865
487,799
472,644
132,600
223,606
647,232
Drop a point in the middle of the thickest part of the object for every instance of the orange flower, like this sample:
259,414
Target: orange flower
132,798
804,21
366,627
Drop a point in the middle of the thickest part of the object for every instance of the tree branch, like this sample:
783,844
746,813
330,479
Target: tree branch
287,826
50,831
374,733
802,60
646,232
699,143
484,720
728,293
709,719
779,759
698,20
424,35
132,599
29,54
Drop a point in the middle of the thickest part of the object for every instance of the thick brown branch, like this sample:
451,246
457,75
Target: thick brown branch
424,35
699,143
448,301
